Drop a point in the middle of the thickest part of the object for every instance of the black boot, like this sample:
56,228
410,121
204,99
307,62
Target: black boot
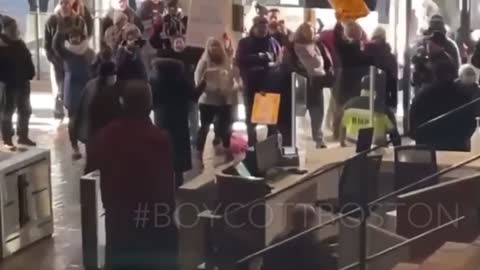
26,141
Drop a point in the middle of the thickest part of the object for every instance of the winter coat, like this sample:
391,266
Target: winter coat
172,95
4,65
150,11
224,77
19,68
77,62
353,66
107,21
55,24
384,60
450,134
254,68
311,65
98,106
135,161
130,65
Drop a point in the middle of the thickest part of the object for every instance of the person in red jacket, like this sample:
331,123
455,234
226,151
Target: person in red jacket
137,174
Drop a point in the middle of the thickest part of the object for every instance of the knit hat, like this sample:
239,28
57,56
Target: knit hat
437,24
107,69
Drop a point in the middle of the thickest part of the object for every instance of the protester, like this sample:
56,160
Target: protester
356,116
274,28
214,71
122,6
151,11
80,9
62,20
435,39
468,82
134,159
94,113
353,63
256,54
441,96
77,58
311,63
114,34
383,59
326,44
101,101
306,253
130,64
172,94
19,70
172,21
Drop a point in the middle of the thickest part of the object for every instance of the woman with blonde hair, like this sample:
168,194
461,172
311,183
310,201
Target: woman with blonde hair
214,74
80,9
310,62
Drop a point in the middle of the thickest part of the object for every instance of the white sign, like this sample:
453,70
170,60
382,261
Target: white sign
207,18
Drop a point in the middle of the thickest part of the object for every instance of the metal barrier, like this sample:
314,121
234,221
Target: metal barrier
93,222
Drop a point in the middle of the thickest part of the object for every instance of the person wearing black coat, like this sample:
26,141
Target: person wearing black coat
172,94
130,64
256,55
353,66
384,60
19,71
443,95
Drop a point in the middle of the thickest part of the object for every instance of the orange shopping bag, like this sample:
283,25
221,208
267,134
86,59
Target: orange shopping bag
265,109
349,10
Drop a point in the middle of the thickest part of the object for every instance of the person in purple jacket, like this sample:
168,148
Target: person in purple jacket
256,55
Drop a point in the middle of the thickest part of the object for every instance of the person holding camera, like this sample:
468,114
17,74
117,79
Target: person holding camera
130,65
256,55
432,50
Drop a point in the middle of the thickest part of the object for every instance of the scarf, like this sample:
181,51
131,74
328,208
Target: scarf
79,49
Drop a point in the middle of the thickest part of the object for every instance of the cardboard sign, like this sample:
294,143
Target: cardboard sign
207,18
349,10
265,109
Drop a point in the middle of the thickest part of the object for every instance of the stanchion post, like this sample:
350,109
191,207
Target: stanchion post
372,94
37,38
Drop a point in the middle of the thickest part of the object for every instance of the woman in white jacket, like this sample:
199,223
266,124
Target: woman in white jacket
310,64
214,75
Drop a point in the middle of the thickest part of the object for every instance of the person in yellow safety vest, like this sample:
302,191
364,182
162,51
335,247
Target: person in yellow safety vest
356,116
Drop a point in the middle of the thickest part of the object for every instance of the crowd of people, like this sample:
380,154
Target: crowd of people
144,67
